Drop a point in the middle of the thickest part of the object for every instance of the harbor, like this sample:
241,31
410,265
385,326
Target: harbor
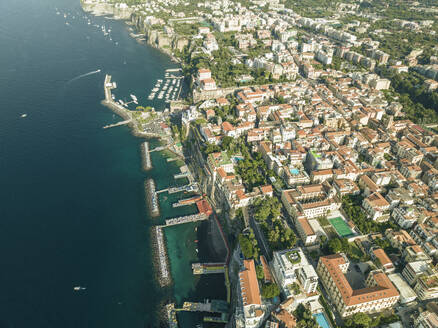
151,198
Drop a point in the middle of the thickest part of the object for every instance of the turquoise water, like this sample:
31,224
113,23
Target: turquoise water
294,171
322,320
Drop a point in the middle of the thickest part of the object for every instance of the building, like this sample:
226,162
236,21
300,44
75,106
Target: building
291,266
377,207
426,319
407,294
383,260
249,312
379,294
307,234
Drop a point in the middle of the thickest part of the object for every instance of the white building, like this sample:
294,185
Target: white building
291,266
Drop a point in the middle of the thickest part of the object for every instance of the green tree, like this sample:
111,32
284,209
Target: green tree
270,290
358,320
259,272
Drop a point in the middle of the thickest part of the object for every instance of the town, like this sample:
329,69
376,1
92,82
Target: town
311,127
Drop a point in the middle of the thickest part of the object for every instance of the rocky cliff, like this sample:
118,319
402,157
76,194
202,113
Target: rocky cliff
100,9
158,38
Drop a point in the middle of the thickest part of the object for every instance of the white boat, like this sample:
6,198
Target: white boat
133,97
155,89
23,115
79,288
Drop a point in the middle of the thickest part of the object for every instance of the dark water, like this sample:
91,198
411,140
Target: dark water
72,210
72,206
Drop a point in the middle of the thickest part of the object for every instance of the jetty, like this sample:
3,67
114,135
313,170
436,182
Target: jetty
117,124
158,149
171,316
146,157
192,187
151,197
161,259
169,70
186,219
208,268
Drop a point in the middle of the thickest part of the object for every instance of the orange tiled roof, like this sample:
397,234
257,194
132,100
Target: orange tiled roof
249,287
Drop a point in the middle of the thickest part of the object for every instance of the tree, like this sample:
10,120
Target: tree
259,272
270,290
249,245
358,320
335,245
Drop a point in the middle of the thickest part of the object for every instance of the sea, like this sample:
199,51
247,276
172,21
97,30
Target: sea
72,199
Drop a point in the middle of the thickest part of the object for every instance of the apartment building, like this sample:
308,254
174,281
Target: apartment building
379,294
291,266
249,312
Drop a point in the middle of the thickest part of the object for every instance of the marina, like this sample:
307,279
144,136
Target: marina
146,156
152,198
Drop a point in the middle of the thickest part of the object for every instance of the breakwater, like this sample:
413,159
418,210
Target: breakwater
186,219
146,156
151,197
161,260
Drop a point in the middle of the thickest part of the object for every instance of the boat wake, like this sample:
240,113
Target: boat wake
83,75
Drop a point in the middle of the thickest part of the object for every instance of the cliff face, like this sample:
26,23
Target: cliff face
99,9
157,38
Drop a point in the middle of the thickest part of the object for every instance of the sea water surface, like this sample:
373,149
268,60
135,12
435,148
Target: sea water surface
72,210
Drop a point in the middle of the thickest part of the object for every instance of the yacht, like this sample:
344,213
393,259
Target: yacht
23,115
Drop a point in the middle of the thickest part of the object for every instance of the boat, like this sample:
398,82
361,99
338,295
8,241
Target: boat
196,249
23,115
79,288
134,97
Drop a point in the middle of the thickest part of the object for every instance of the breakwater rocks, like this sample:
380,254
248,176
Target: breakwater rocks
161,260
151,197
146,156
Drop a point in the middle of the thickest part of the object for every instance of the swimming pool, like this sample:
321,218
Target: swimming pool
322,320
294,171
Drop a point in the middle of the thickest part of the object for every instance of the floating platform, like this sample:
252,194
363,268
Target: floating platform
208,268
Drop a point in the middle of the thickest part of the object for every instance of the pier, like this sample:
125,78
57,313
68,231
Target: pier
186,219
187,201
181,175
151,197
173,70
192,187
117,124
208,268
146,157
158,149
